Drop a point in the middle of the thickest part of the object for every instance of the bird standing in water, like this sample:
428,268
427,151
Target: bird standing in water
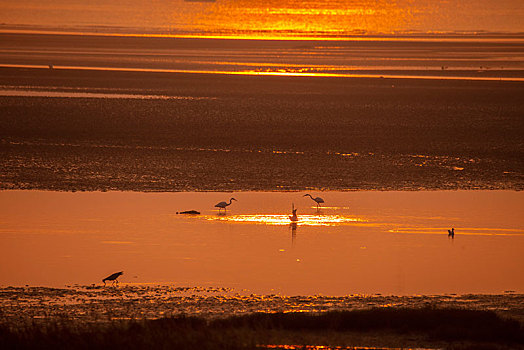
113,277
293,217
318,200
223,205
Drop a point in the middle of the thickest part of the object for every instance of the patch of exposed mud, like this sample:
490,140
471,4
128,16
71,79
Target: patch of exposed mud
86,304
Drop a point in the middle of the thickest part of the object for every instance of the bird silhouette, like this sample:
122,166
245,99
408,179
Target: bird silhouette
113,277
451,233
318,200
223,205
293,217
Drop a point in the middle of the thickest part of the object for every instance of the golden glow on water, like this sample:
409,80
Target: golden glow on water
283,73
323,18
467,231
280,220
380,242
269,18
469,37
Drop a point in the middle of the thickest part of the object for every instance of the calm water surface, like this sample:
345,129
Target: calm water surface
269,18
359,242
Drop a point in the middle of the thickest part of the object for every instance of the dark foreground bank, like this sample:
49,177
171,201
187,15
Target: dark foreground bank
390,327
205,132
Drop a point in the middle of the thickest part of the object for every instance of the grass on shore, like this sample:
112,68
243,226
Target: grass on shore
450,328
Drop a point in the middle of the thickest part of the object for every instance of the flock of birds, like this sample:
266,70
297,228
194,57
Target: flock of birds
223,205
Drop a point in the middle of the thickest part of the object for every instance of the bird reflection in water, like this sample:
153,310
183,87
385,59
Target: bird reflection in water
293,226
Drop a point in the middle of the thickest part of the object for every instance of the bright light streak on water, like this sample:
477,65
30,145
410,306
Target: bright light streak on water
468,231
283,73
280,220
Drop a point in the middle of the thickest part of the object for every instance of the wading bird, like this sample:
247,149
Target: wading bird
113,277
223,205
293,217
318,200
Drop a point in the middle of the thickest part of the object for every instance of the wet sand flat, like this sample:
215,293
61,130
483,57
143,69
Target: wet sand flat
190,317
223,133
87,304
190,114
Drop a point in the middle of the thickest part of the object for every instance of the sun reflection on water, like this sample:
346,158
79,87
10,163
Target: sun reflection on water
324,18
281,220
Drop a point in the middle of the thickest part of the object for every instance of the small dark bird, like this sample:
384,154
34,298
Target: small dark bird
318,200
223,205
113,277
451,233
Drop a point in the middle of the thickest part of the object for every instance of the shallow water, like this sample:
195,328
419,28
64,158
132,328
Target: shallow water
359,242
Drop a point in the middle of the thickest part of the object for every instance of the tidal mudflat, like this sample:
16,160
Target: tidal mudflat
134,316
145,131
88,304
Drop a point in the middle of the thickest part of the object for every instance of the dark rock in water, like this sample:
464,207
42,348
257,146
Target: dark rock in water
190,212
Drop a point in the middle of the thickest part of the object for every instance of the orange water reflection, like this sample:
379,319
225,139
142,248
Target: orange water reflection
426,75
288,18
280,220
471,231
360,242
270,18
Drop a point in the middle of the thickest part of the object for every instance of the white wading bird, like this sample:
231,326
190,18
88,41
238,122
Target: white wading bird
223,205
318,200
